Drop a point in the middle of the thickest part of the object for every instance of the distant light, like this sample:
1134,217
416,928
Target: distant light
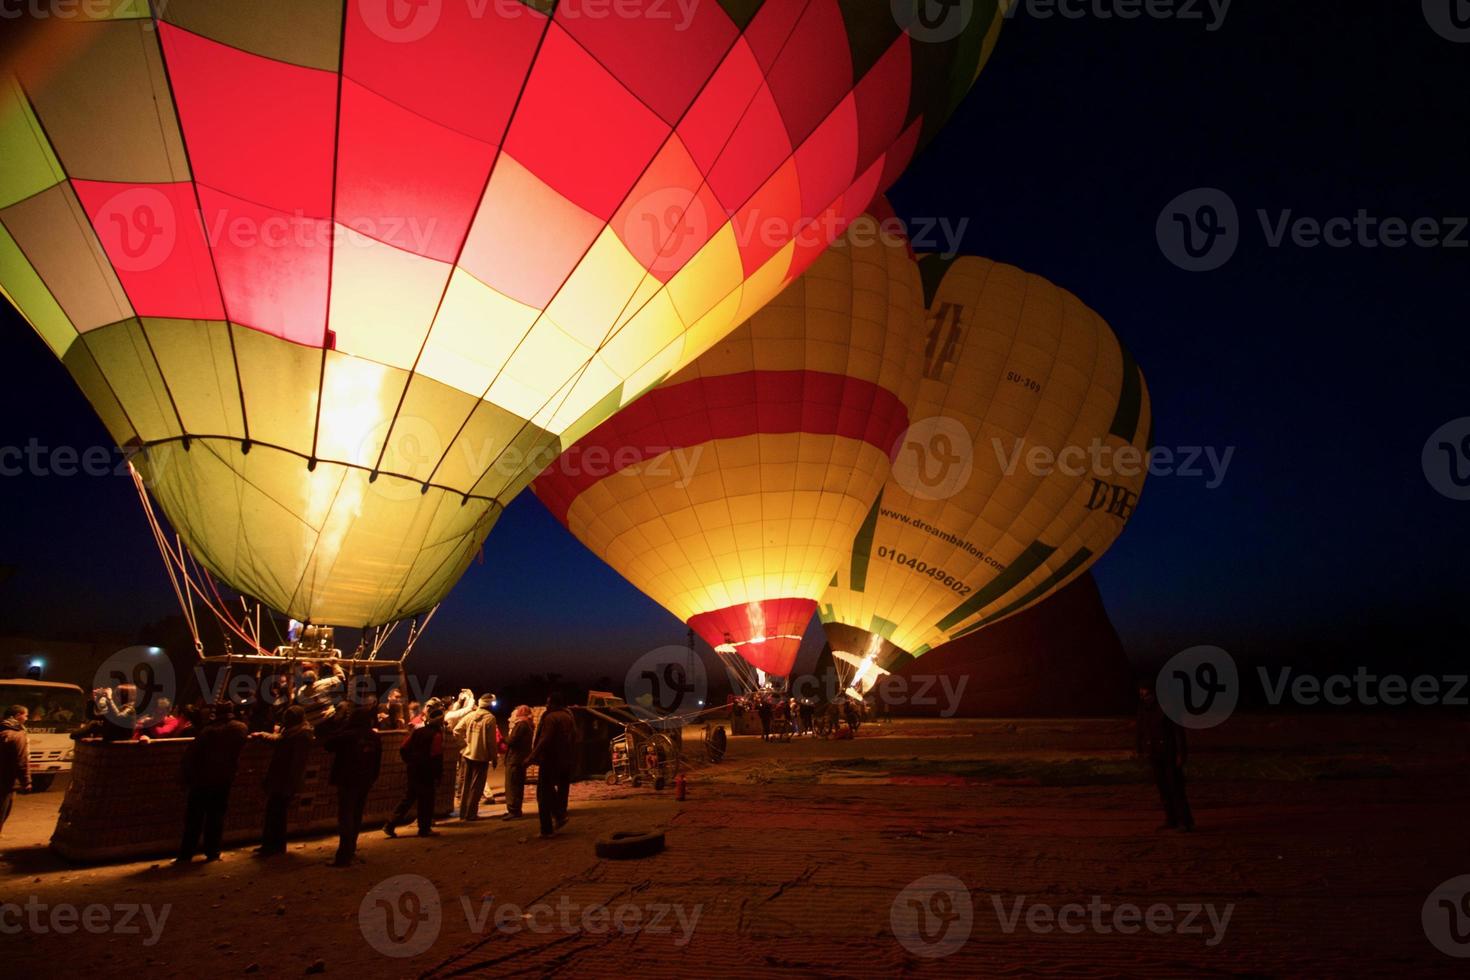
494,703
37,662
154,651
701,704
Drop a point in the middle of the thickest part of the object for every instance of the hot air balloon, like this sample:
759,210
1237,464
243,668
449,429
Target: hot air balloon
346,273
730,493
1024,464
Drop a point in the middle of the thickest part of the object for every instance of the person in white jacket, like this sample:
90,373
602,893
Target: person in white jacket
481,738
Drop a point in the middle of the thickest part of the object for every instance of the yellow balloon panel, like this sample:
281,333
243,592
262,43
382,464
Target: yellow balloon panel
1023,465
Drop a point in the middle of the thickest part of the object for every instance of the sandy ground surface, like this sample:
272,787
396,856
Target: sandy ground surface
961,848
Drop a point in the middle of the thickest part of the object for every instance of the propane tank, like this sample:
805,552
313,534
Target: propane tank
679,784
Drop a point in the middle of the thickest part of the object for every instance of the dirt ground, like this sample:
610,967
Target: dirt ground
957,848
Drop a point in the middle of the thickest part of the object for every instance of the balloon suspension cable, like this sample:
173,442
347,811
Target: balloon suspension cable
743,677
185,575
415,630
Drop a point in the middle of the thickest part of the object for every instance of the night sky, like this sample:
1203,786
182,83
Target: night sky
1326,369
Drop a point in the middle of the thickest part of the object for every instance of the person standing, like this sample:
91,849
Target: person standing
15,758
209,769
481,750
517,757
763,709
284,777
422,753
357,758
1161,741
553,750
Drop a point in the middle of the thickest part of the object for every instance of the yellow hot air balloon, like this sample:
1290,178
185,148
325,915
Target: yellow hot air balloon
731,493
1024,464
346,273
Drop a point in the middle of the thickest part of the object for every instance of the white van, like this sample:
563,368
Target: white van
56,710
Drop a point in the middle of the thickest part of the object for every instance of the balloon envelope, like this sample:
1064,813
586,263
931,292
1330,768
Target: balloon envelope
348,273
1025,461
731,493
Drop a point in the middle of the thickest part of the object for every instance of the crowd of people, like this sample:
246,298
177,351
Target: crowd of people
783,716
318,703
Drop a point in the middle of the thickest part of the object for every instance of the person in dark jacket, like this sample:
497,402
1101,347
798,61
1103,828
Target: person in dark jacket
763,711
283,776
1161,741
15,758
422,753
554,751
208,770
357,757
517,757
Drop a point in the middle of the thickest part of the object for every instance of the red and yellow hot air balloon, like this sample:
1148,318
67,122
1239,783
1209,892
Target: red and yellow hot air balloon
342,271
730,493
1025,461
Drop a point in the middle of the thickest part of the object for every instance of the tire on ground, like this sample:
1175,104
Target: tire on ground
625,844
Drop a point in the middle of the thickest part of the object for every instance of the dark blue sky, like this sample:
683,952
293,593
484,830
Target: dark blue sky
1326,369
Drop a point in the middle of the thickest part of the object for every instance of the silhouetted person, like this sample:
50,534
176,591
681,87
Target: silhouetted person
481,749
15,758
422,753
357,757
517,757
208,769
1161,741
284,777
763,711
554,752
